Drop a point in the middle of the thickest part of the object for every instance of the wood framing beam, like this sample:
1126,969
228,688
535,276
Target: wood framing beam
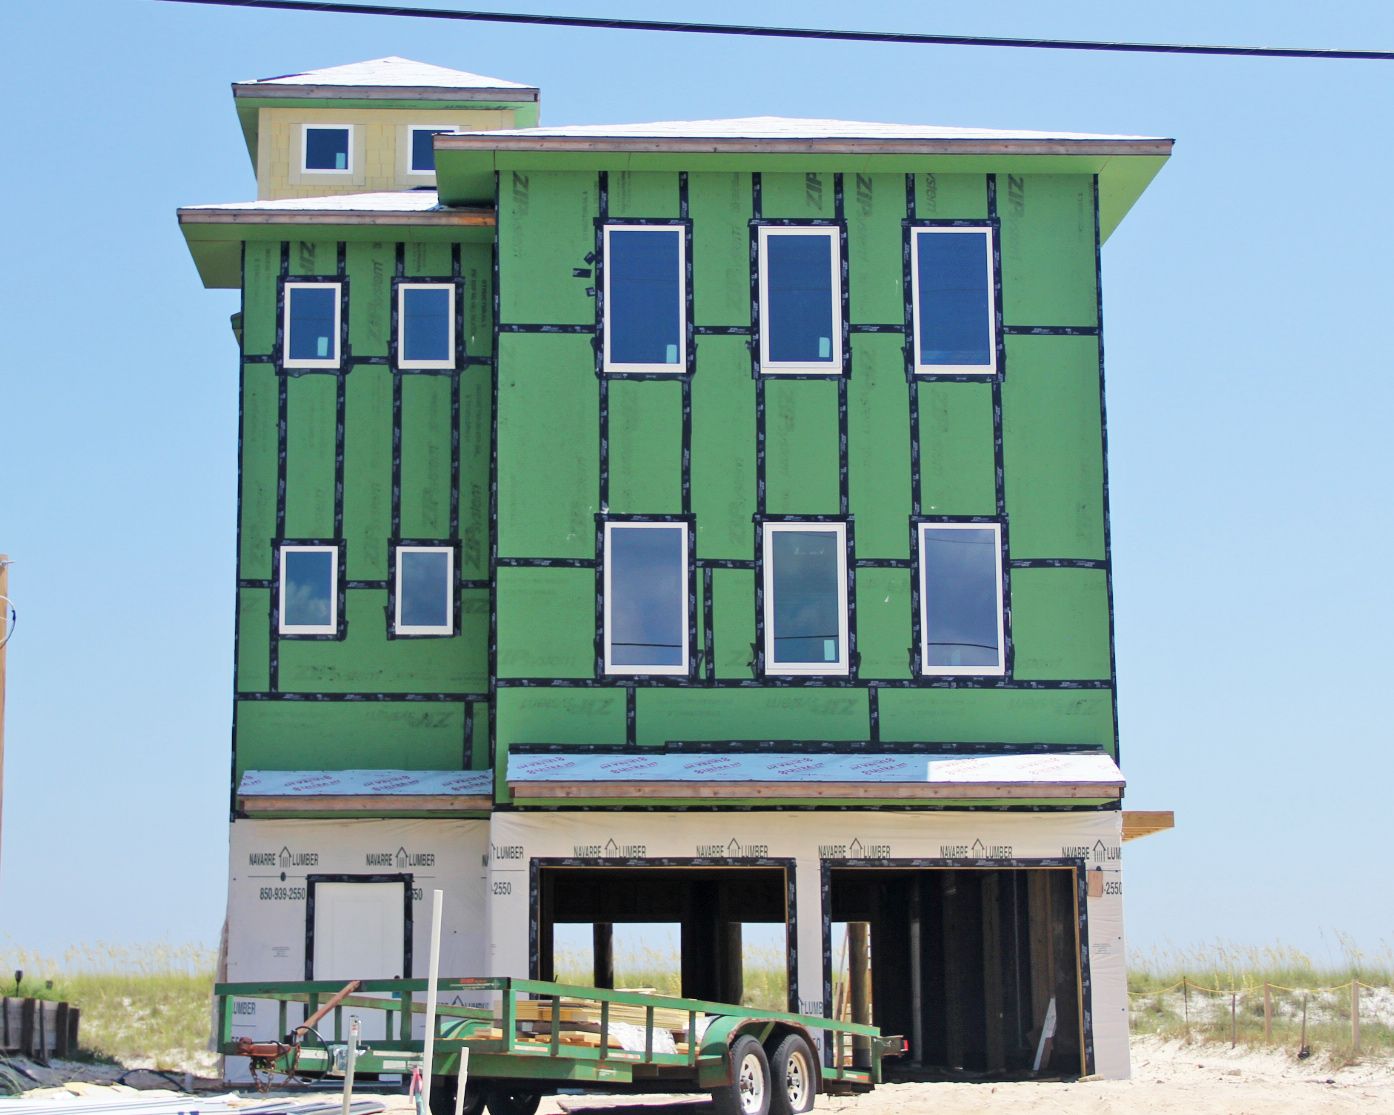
1144,822
457,217
367,804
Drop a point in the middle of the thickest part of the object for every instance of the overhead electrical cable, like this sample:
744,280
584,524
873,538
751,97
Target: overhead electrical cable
687,27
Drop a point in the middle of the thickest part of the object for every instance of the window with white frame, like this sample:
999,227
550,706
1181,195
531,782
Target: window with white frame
421,153
954,299
426,325
424,590
311,325
805,590
645,295
326,148
308,590
961,613
800,299
646,600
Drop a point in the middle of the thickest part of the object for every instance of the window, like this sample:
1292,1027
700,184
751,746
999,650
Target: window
645,298
805,583
309,590
327,149
421,154
424,583
800,299
646,610
425,325
311,325
961,615
954,299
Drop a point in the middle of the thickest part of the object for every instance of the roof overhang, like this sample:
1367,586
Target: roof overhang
1144,822
467,162
215,233
1051,777
365,793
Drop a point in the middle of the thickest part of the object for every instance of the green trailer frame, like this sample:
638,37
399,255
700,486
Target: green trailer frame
504,1055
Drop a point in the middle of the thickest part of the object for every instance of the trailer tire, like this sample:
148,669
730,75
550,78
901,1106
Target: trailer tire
749,1090
794,1073
506,1101
443,1090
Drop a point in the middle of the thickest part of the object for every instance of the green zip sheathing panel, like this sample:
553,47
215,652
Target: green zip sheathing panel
1060,623
1047,249
883,622
878,439
261,263
475,449
713,714
723,447
645,431
998,716
342,735
801,447
477,268
733,618
1051,446
546,623
314,257
370,267
720,252
957,197
957,464
368,489
259,451
804,195
874,206
548,423
574,715
426,260
253,639
546,229
311,409
643,195
425,453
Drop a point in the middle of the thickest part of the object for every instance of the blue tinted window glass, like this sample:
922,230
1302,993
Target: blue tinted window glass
312,322
425,580
961,604
806,604
425,324
307,598
423,155
648,594
645,308
800,297
326,148
955,323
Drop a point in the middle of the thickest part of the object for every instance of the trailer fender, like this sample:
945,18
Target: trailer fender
713,1062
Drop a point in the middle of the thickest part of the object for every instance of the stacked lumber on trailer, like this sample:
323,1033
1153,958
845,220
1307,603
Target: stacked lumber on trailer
579,1021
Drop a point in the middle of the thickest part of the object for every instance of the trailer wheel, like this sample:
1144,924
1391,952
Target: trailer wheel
795,1076
749,1090
443,1090
505,1101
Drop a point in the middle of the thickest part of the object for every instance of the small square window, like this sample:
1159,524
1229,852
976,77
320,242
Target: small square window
309,590
312,319
425,325
646,603
327,149
421,152
961,613
424,588
805,584
645,298
954,298
800,299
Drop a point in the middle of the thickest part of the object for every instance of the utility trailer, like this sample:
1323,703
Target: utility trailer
536,1038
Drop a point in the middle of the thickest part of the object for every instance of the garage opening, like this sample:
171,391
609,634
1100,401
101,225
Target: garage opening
704,932
977,968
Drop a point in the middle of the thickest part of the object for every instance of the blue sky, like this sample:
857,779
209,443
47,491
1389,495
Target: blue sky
1249,394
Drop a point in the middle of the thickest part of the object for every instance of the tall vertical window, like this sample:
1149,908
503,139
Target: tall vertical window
646,605
961,614
800,299
326,148
308,590
311,325
424,590
805,588
425,325
645,298
421,154
954,299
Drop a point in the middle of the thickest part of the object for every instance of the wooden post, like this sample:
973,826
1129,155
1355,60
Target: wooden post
859,986
1267,1012
1186,1003
603,954
1355,1014
26,1027
1233,1019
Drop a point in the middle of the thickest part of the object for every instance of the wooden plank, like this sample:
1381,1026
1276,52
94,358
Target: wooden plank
1144,822
255,805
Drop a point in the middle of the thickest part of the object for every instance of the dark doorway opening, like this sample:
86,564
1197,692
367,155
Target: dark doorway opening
978,968
712,911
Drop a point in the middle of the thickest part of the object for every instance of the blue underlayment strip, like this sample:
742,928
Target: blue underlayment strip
366,783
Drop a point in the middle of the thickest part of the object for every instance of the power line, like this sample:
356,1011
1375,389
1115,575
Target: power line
825,34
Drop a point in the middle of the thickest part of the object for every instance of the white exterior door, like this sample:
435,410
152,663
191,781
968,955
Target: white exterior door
360,933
